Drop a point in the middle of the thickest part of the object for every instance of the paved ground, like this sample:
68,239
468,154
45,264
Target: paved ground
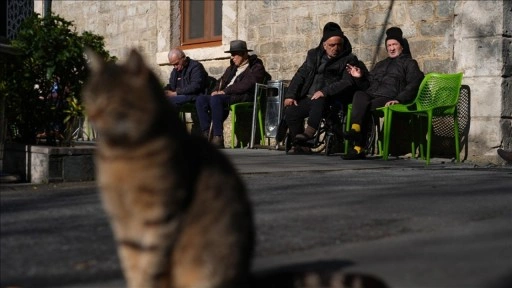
445,225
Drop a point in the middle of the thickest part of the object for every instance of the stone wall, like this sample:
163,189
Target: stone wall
124,24
445,36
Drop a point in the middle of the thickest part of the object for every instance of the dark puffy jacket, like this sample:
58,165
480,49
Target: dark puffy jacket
336,76
195,79
396,78
242,90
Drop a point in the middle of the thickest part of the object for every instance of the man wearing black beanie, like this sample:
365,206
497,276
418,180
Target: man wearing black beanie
321,78
393,80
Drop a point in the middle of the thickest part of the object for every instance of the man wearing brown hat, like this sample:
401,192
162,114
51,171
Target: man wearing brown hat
236,85
393,80
319,80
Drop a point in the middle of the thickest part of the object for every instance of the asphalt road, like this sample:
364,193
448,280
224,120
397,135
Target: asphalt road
445,225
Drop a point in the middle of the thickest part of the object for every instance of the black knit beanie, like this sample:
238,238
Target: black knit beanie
331,29
396,34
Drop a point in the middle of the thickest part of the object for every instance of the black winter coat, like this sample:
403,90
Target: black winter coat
194,77
396,78
336,76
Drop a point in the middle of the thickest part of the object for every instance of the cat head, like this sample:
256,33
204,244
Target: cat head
123,102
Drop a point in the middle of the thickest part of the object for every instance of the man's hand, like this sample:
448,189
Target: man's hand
290,102
170,93
354,71
392,102
217,93
318,94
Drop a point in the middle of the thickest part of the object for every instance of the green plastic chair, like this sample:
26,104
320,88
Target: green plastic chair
438,95
247,107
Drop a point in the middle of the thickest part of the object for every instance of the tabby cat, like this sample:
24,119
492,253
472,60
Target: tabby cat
177,207
179,211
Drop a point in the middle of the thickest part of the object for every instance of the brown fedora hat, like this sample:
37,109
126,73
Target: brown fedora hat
237,46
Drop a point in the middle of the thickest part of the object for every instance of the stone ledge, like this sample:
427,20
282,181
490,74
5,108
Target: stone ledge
44,164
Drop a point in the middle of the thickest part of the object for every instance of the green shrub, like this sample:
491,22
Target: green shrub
52,53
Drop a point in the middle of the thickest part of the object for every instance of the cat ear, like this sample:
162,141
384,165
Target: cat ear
94,61
135,63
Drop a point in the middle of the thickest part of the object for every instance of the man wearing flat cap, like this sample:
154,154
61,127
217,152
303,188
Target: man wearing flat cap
393,80
321,79
236,85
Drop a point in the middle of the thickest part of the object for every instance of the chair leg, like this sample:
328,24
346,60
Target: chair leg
347,125
415,143
377,135
233,124
260,120
429,136
422,139
388,119
456,134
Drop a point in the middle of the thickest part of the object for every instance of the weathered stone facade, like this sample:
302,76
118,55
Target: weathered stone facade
445,36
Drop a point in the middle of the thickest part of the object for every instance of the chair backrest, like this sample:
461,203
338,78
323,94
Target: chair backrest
438,90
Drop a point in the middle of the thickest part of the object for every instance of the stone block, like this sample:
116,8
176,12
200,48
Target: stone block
275,47
479,19
421,11
488,51
327,8
365,5
145,7
443,49
485,135
485,96
371,37
437,28
131,11
343,7
357,21
78,168
445,8
305,26
507,57
506,128
507,18
399,14
44,164
377,18
438,65
506,87
421,48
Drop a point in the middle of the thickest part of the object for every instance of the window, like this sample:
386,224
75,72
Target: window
201,23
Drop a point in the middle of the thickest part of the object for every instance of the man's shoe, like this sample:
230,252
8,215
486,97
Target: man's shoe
505,155
218,142
299,150
303,137
353,155
309,133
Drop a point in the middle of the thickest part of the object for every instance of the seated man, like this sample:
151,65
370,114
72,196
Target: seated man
393,80
322,76
236,85
188,78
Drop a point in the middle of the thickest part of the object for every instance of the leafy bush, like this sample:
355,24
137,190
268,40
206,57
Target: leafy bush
43,84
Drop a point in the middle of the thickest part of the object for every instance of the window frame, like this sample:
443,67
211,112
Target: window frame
208,40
